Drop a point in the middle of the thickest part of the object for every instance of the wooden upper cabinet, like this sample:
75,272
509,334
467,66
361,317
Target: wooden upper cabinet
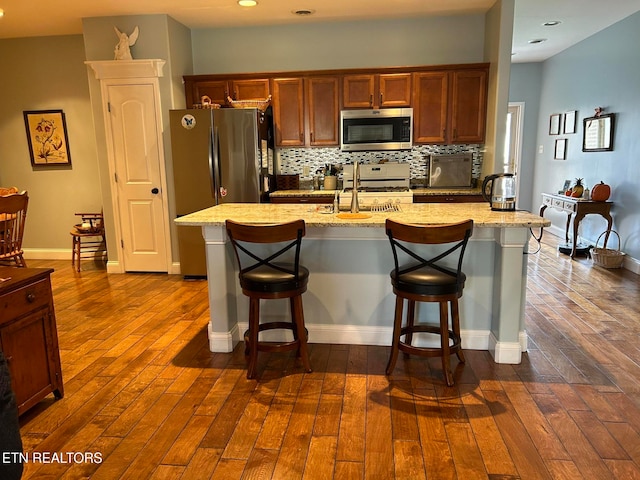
306,111
323,110
450,106
288,111
468,106
219,90
358,91
430,107
250,89
216,90
377,90
394,90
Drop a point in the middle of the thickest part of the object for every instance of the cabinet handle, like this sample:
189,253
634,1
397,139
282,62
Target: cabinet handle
9,359
371,100
380,98
31,297
311,136
301,136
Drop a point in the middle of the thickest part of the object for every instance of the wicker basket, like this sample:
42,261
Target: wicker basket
259,104
607,257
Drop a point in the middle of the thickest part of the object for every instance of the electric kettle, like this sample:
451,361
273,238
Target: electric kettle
502,188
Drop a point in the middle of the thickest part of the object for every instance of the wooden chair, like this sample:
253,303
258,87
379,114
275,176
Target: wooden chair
419,279
13,214
269,276
88,238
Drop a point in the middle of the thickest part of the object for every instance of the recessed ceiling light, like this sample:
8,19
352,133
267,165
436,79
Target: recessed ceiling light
537,40
551,23
304,12
247,3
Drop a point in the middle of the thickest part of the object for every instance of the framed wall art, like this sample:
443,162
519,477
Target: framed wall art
561,149
554,124
569,125
47,136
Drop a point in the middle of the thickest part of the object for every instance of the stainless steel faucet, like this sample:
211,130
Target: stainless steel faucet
355,206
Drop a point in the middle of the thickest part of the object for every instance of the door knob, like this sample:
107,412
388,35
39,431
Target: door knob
155,191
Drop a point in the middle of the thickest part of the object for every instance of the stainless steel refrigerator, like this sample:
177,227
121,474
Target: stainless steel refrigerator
219,156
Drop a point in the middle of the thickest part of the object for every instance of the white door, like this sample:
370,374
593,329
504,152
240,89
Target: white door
513,140
137,152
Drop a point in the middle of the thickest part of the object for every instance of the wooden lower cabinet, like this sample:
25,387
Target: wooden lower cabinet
303,199
417,198
28,335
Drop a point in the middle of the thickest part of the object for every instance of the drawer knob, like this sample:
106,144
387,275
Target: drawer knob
31,297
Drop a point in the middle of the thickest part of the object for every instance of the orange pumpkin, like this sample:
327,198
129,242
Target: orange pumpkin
568,193
600,192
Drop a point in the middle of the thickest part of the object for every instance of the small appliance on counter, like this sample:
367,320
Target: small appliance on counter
450,171
502,191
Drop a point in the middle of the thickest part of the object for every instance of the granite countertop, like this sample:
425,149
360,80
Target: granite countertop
321,216
416,191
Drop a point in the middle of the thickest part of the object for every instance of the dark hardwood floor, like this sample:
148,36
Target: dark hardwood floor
147,399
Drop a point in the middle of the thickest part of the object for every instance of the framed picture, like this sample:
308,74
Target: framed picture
569,122
567,184
554,124
47,136
561,149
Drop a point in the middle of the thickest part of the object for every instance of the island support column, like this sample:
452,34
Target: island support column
222,278
508,336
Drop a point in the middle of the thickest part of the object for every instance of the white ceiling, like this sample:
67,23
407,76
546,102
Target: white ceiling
580,18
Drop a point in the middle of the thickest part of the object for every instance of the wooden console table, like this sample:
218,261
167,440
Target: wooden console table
577,209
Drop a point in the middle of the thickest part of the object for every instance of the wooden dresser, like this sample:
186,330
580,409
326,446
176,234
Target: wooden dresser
28,334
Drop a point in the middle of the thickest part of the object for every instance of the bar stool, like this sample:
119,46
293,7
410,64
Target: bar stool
271,275
419,279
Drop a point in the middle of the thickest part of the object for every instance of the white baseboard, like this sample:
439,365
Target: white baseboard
339,334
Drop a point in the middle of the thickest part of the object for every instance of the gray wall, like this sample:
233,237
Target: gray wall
47,73
601,71
320,46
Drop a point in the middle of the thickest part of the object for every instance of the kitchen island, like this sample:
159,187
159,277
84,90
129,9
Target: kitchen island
349,297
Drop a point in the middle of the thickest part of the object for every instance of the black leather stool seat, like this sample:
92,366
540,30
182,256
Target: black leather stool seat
419,279
270,279
263,276
429,281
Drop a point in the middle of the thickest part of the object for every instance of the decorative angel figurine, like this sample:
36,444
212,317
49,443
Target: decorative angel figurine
122,51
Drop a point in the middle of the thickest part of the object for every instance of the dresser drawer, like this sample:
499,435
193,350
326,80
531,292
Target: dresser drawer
547,200
24,300
558,203
570,206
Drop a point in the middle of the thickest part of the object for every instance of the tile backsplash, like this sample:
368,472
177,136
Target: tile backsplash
294,160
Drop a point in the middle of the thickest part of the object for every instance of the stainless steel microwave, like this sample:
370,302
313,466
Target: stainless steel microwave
384,129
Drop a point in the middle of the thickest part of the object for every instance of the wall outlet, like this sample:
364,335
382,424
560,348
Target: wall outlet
305,171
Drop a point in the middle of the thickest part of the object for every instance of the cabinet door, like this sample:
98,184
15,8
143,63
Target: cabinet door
216,90
288,111
395,90
358,91
254,89
468,106
431,91
28,347
323,110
